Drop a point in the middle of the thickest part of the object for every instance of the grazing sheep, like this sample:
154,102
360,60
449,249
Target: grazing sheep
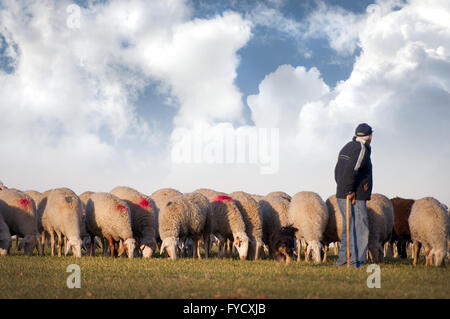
63,215
5,237
274,211
85,237
251,215
309,214
19,213
401,234
333,231
226,222
160,199
108,216
184,216
142,218
280,194
380,213
282,244
429,225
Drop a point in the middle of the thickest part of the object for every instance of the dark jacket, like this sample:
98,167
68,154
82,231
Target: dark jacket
353,171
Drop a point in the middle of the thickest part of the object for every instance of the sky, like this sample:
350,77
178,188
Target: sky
153,94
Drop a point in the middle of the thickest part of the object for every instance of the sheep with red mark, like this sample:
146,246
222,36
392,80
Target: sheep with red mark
160,198
429,225
226,222
19,213
63,216
309,214
142,218
110,217
253,222
185,216
5,237
401,233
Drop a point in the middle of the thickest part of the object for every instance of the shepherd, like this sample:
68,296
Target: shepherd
353,175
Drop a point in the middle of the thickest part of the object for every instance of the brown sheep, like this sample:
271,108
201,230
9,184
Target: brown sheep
401,233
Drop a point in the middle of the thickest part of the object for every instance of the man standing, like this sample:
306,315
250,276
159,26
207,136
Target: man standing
353,175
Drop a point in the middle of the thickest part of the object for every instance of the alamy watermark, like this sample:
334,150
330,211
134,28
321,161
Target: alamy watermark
73,20
226,145
374,280
74,279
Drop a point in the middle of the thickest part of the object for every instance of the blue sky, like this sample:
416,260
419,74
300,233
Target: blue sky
100,104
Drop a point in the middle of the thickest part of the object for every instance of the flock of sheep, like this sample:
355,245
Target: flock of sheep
125,220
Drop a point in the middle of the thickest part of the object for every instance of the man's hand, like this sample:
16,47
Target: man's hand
352,197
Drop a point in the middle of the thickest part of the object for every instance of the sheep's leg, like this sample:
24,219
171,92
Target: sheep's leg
325,253
305,249
92,246
43,242
195,252
207,240
222,248
416,250
59,244
299,249
111,245
52,243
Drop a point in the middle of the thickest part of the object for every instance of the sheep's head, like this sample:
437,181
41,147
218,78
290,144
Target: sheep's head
148,249
129,245
5,243
75,244
241,243
315,247
170,245
28,243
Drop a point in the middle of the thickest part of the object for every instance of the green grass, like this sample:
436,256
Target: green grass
105,277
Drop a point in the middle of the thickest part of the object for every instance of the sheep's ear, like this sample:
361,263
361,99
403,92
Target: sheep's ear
121,250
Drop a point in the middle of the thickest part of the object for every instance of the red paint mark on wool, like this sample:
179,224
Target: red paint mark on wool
144,203
24,202
221,198
121,207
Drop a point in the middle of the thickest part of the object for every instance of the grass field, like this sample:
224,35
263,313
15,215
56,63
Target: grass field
104,277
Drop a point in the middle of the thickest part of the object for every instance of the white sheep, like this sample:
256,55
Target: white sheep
142,218
380,214
253,222
5,237
19,213
108,216
274,211
63,215
160,199
184,216
226,222
309,214
429,225
333,231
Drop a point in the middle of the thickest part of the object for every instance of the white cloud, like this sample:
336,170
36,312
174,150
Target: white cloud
69,104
